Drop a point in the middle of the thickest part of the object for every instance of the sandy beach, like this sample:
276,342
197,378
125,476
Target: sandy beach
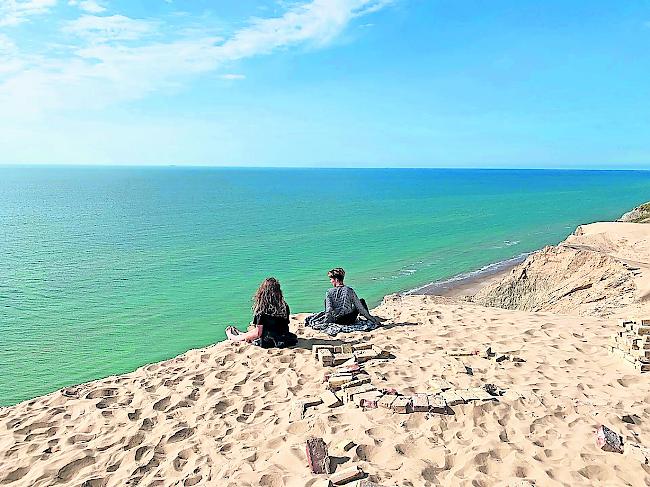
223,415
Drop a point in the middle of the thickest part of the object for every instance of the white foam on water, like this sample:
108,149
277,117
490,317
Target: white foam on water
485,270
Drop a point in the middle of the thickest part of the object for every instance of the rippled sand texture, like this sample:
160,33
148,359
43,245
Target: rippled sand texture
220,415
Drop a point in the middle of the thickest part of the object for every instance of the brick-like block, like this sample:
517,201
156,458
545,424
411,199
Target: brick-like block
351,368
367,399
347,475
608,440
316,348
330,399
437,404
341,358
361,346
643,367
325,357
452,398
420,403
401,405
317,457
364,355
356,383
335,383
348,394
386,401
297,411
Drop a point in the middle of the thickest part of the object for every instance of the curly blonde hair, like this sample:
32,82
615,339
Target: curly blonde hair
269,299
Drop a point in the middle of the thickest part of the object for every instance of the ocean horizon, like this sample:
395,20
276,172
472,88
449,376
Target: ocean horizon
104,269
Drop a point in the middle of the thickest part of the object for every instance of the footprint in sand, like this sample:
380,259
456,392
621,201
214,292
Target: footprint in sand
102,393
66,473
162,404
180,435
135,415
135,440
96,482
17,474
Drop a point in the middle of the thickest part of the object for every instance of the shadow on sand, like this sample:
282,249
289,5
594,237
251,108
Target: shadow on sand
309,343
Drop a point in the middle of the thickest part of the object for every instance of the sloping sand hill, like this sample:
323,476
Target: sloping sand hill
220,416
602,269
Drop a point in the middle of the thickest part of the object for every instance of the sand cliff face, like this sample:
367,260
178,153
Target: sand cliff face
640,214
597,271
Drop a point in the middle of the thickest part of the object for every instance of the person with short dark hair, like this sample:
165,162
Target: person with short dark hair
270,319
342,305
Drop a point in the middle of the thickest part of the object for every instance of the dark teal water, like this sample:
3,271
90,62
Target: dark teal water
106,269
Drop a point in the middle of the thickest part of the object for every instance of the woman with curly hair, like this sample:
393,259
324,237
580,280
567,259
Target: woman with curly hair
270,319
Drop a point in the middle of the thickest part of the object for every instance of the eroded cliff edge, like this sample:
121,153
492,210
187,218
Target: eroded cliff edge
602,269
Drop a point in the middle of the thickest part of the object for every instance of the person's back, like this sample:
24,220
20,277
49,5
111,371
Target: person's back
342,305
270,319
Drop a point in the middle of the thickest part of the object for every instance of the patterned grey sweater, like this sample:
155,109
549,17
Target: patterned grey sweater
342,300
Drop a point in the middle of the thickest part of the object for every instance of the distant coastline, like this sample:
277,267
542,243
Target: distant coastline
468,283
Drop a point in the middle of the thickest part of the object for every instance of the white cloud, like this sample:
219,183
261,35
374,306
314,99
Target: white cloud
14,12
6,44
90,6
109,28
106,71
232,76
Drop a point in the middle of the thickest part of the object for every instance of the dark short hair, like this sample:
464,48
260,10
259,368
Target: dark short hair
337,273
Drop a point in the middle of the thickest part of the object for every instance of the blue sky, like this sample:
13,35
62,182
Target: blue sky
399,83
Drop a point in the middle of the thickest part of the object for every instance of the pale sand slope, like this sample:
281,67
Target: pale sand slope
220,416
603,269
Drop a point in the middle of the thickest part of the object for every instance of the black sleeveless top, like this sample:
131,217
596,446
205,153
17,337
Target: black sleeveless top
275,330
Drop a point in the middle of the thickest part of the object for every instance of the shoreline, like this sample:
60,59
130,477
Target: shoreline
469,283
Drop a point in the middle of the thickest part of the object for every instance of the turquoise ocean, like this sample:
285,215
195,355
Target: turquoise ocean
104,269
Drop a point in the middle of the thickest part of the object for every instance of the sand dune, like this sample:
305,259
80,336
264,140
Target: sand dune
600,270
220,415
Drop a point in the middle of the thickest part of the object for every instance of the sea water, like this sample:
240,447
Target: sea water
104,269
